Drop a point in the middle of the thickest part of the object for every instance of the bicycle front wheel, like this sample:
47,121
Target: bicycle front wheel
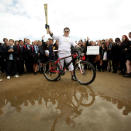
84,72
51,71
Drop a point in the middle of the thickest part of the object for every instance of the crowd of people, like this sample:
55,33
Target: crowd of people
22,56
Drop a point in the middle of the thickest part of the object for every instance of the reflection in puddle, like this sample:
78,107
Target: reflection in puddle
62,109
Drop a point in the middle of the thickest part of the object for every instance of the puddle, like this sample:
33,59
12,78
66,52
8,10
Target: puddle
62,109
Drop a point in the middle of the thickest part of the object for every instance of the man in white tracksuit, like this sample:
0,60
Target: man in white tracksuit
64,47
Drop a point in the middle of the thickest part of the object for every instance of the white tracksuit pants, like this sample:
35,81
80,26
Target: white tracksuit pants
67,60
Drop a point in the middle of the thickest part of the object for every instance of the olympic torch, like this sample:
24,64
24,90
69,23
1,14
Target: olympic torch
46,15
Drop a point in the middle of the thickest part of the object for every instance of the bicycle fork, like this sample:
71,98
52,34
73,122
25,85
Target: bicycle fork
80,67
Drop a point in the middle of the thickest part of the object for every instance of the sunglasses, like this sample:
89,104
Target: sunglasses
66,31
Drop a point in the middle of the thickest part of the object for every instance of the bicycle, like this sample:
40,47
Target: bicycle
84,71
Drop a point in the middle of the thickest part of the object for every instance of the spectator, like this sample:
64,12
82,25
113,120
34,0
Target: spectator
123,54
99,57
20,57
109,54
16,43
50,47
128,58
35,53
104,57
115,51
28,56
11,60
4,58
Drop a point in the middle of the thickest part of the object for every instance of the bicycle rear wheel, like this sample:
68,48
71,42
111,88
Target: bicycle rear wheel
51,71
84,72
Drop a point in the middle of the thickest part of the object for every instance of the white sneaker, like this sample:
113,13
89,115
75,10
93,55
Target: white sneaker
16,76
8,77
1,80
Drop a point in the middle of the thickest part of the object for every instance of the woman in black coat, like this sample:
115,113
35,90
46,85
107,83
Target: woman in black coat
128,58
124,53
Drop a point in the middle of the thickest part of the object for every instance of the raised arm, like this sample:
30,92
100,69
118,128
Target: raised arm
51,34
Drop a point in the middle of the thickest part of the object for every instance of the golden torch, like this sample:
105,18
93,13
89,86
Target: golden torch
46,14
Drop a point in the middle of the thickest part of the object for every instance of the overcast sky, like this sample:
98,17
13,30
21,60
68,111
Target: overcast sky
97,19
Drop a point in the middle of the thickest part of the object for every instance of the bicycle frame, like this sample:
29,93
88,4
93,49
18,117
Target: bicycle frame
58,62
62,70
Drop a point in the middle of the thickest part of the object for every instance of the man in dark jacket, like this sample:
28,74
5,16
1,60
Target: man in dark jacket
4,58
28,56
115,51
11,60
20,57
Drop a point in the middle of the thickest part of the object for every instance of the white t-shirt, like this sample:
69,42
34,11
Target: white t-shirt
105,56
64,44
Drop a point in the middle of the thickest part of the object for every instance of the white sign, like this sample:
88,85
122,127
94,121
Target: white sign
92,50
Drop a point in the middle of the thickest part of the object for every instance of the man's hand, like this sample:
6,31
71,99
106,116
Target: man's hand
47,26
126,49
10,50
48,30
